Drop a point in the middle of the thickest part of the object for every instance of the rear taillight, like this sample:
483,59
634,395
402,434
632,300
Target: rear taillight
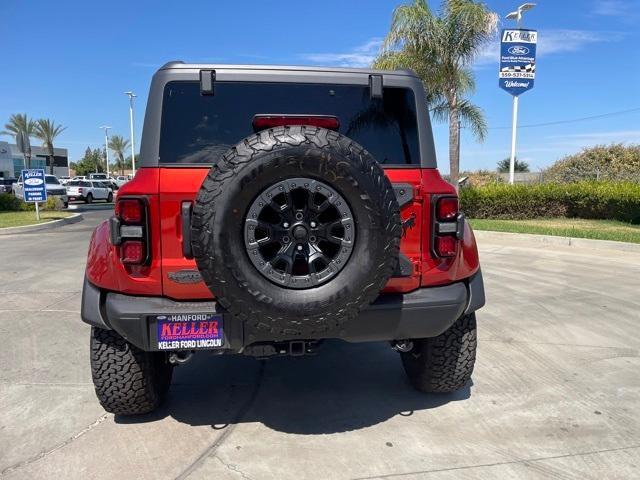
260,122
81,191
447,208
446,246
132,252
130,210
447,227
129,230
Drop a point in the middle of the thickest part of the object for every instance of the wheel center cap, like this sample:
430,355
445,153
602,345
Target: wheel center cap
300,232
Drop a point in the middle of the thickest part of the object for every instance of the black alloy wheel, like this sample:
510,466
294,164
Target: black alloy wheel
299,233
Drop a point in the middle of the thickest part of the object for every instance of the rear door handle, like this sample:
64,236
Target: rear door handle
185,213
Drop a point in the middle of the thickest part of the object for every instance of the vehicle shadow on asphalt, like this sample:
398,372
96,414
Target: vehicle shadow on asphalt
345,387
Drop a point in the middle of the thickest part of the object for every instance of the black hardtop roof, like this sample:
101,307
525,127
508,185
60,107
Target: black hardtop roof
180,65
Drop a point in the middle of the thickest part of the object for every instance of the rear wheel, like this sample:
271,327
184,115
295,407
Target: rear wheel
127,380
444,363
89,198
110,197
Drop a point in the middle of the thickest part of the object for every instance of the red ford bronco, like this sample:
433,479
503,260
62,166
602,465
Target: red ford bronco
276,207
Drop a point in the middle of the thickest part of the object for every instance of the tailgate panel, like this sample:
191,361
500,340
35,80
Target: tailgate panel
178,185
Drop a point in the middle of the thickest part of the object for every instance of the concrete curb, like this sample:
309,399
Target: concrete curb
482,235
75,218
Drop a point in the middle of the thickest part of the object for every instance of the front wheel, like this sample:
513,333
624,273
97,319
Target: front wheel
444,363
127,380
110,197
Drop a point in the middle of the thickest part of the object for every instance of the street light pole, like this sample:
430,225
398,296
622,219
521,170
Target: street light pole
131,96
517,16
106,145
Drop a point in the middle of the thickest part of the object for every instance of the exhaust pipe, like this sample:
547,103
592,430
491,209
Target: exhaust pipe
180,358
402,346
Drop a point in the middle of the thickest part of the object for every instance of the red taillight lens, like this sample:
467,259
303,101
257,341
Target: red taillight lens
132,252
446,246
447,208
260,122
129,210
81,190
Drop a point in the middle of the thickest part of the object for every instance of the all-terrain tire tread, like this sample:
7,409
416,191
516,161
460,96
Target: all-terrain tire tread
127,380
444,363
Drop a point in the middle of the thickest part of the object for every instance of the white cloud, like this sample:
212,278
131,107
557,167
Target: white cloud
623,136
615,8
562,41
551,42
360,56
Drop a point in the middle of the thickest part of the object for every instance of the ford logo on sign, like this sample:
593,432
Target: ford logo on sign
33,182
518,50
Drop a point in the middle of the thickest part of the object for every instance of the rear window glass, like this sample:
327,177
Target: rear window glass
199,129
78,183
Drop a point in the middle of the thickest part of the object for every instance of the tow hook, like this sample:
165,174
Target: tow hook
402,346
180,358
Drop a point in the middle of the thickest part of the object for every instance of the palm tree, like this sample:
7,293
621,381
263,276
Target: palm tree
393,116
20,123
519,165
47,131
118,145
441,48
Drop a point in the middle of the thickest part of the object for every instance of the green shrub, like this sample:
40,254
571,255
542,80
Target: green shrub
616,162
592,200
52,204
9,203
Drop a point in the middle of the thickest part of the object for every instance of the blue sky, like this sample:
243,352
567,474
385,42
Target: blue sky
72,61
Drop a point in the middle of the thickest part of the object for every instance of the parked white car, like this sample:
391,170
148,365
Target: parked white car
54,188
122,179
89,190
63,180
103,177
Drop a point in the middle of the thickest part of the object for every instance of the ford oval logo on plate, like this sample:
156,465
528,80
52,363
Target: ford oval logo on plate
33,182
518,50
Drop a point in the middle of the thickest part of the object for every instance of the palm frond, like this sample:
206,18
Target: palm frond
472,117
440,111
19,122
47,131
118,145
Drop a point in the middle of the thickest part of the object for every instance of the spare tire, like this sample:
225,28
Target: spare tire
294,230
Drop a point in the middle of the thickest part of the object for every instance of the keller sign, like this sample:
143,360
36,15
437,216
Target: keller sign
33,184
517,60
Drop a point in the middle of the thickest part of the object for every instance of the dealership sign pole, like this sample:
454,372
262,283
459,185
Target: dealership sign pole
517,70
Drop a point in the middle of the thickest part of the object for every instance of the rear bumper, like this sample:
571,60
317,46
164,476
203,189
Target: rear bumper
426,312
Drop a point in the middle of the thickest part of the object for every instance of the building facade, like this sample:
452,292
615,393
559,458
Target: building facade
12,160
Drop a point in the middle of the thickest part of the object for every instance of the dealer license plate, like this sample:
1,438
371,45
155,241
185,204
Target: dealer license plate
190,331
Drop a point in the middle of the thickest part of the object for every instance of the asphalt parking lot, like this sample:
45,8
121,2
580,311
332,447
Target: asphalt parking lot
555,394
